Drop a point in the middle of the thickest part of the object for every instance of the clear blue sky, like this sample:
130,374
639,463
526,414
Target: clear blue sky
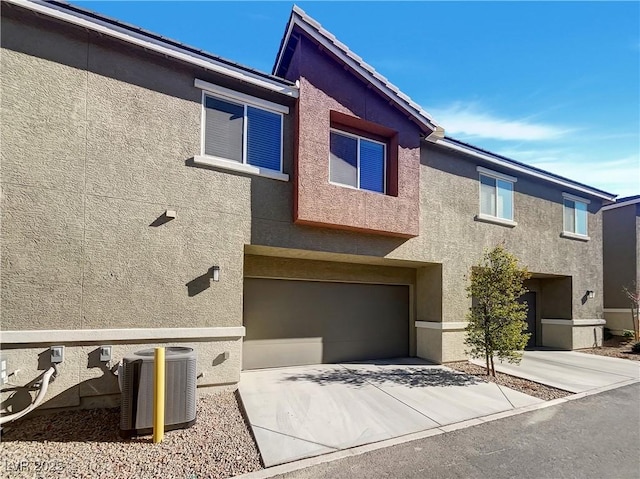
555,85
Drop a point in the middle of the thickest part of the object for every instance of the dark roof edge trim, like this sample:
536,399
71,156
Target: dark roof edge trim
518,167
315,30
628,201
170,48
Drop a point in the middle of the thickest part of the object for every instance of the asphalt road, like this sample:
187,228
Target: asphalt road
593,437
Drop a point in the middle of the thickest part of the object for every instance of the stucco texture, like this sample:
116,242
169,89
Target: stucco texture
325,87
87,178
618,321
96,138
621,250
84,381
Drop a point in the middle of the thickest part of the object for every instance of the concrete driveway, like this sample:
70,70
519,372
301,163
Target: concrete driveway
571,370
306,411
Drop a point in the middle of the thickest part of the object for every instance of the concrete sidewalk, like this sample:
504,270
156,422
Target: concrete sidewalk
570,370
305,411
565,438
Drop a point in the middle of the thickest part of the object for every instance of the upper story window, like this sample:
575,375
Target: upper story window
357,162
241,132
574,216
496,196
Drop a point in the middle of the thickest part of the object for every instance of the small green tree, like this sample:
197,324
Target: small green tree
497,321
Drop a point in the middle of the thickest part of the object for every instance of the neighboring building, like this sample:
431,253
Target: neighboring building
340,220
621,255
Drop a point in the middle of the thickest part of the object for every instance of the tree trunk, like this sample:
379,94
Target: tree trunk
493,368
487,340
486,357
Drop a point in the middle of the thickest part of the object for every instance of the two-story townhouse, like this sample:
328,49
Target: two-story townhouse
621,256
156,194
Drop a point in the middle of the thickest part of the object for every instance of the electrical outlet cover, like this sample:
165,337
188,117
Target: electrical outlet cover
57,354
105,353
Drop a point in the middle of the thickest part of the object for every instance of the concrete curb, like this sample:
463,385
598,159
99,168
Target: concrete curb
356,451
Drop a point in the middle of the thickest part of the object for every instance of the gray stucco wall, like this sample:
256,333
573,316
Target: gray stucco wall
451,234
621,230
96,138
453,240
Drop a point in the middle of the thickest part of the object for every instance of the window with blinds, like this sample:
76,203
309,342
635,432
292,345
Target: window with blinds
496,195
242,133
357,162
575,216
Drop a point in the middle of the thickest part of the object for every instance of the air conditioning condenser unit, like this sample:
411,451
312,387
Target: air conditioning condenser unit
136,380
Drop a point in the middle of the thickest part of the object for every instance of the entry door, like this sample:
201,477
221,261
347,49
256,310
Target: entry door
530,300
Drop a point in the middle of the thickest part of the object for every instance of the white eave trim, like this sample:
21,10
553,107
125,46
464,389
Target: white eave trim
442,326
574,322
241,97
316,31
130,335
522,169
617,310
496,174
571,197
158,47
621,205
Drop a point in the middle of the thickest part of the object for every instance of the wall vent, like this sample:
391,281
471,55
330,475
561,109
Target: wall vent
136,409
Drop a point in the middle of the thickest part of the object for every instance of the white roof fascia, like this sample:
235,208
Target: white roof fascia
285,42
571,197
523,169
332,44
157,46
622,204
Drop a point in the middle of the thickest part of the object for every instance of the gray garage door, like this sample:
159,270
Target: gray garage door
292,323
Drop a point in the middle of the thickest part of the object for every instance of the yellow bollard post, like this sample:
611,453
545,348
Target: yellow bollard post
158,395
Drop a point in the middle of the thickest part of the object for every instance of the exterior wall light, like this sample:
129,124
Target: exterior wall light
591,294
215,273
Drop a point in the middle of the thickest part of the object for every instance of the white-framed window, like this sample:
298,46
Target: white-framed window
241,132
574,214
357,162
496,196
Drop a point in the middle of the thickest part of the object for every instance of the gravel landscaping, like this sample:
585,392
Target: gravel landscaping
523,385
616,347
85,444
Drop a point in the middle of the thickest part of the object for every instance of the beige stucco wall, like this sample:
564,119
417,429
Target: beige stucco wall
84,381
617,321
453,348
429,344
586,337
278,267
557,336
79,200
96,138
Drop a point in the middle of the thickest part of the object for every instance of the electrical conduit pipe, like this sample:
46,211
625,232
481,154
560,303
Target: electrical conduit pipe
41,394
